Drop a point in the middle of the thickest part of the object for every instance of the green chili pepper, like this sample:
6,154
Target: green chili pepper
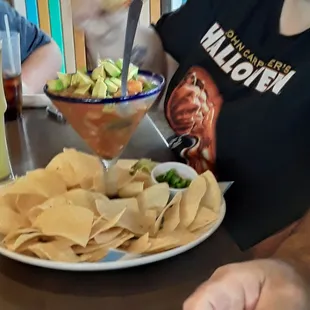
188,182
160,178
182,184
169,175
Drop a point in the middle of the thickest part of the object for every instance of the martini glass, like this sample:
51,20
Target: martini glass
107,125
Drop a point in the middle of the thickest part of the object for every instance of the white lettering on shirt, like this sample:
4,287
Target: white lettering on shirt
251,71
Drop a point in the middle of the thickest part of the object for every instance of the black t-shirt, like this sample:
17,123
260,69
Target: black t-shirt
242,82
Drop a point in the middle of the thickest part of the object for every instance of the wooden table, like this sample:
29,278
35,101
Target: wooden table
160,286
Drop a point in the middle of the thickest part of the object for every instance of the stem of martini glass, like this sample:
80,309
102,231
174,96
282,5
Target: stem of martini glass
110,175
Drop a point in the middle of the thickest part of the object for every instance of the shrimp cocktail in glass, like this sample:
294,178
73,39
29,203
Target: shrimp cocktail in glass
91,102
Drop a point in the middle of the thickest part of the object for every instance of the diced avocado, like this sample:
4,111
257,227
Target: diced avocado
98,72
148,86
84,79
83,70
65,79
119,63
55,85
100,89
112,88
116,81
101,61
82,90
109,60
132,72
144,165
74,80
111,69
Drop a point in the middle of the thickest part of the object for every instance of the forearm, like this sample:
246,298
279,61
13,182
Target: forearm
41,66
296,249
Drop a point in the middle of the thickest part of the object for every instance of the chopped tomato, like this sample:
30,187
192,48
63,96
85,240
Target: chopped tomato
134,87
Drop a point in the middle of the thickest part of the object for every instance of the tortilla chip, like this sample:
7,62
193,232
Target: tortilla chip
201,231
9,220
62,165
58,250
115,179
149,219
159,221
172,215
94,256
23,241
10,201
120,240
47,183
212,198
183,235
98,183
141,176
132,189
75,167
203,218
38,182
154,197
71,222
89,248
130,220
108,235
35,211
24,202
191,200
140,245
104,225
127,203
83,198
13,235
162,244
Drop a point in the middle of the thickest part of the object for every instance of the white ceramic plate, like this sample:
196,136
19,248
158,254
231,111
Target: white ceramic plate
116,259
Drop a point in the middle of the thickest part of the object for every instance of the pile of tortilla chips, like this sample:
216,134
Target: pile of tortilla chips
72,212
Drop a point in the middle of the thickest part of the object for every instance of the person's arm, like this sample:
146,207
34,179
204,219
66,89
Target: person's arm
41,66
40,56
295,250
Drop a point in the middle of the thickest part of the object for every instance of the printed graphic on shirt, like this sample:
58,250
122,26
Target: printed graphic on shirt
191,111
243,66
195,104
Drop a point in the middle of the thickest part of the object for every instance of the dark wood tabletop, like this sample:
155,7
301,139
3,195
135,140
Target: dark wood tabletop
160,286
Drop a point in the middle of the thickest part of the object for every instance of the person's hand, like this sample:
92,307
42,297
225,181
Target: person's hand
255,285
99,17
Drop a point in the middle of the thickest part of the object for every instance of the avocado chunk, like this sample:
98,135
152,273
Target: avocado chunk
65,79
132,72
84,79
112,88
101,61
74,80
100,89
98,72
148,86
55,85
119,63
116,81
111,69
82,90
